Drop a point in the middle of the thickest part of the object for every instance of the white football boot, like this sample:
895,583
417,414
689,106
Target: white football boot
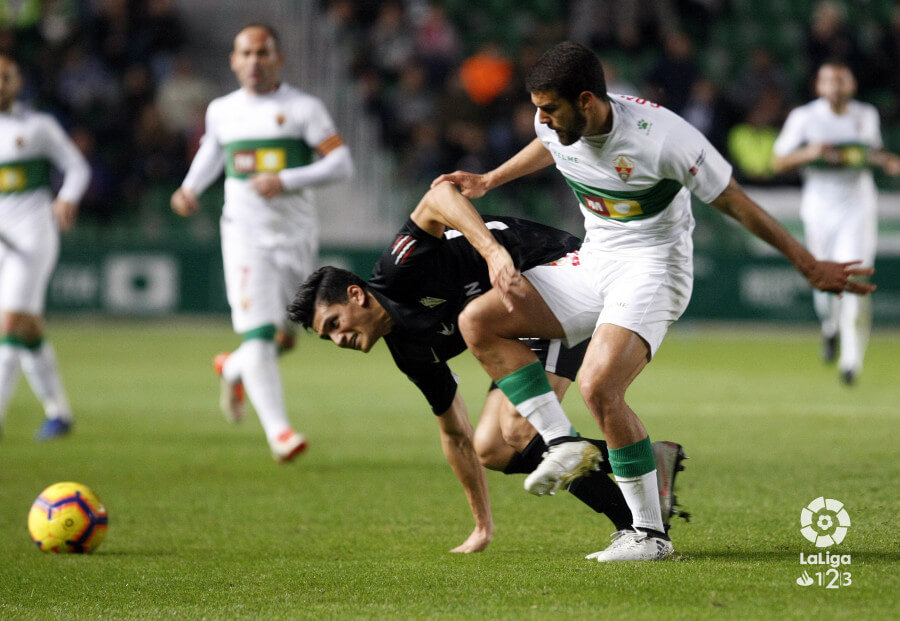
288,445
630,545
563,463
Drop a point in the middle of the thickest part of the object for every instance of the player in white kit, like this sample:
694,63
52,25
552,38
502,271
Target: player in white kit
265,136
632,166
30,220
836,140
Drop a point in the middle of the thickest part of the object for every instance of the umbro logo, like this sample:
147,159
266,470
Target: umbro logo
429,302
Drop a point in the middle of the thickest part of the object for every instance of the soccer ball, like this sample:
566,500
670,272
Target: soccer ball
67,517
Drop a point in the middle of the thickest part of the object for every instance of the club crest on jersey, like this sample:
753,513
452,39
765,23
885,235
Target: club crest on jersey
430,302
624,167
20,142
280,118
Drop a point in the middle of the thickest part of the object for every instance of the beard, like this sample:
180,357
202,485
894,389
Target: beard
571,134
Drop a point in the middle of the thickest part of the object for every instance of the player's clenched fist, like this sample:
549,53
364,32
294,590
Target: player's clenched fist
184,202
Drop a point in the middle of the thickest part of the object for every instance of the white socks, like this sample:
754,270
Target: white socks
40,368
9,375
255,363
546,415
856,324
642,495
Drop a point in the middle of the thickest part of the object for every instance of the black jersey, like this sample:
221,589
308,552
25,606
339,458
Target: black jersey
424,282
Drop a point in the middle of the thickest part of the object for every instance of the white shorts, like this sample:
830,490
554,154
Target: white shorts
584,291
29,248
261,282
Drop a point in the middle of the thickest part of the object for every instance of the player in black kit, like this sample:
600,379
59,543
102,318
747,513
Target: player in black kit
419,286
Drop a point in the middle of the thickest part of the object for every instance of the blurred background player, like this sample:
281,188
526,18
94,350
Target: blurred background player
422,282
837,140
265,136
30,221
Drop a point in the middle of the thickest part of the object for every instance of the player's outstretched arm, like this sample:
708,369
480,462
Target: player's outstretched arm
531,158
444,206
456,440
824,275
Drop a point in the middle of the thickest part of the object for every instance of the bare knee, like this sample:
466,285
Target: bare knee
473,329
603,397
28,327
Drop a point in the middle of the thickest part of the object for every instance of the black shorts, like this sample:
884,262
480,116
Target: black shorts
556,357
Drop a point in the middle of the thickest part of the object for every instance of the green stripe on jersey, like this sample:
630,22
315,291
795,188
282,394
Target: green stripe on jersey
626,205
248,157
854,155
23,175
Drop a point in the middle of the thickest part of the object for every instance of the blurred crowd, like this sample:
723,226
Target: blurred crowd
114,72
444,79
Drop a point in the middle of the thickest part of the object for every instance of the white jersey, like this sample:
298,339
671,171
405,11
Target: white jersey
30,144
634,183
834,192
248,134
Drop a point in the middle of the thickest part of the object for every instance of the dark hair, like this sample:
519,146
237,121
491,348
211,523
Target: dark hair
327,285
269,29
569,69
836,61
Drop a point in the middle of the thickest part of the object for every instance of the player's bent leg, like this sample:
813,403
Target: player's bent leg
492,450
614,358
490,330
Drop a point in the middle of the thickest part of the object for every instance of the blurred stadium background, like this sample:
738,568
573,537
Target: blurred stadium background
418,88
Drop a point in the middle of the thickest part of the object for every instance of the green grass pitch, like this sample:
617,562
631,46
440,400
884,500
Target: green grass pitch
203,524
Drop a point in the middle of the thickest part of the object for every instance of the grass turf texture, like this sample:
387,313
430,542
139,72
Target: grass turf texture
204,524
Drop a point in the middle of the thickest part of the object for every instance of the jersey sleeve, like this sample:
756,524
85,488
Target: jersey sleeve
404,260
688,157
317,123
434,379
209,162
872,128
792,135
66,157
